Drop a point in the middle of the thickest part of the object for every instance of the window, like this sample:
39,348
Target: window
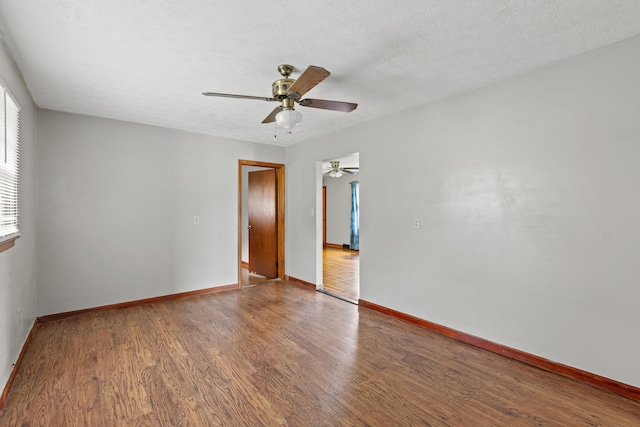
9,166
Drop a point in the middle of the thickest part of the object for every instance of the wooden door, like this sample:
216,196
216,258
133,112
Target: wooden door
263,223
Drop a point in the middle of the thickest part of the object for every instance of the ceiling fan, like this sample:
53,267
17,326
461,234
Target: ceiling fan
336,171
288,92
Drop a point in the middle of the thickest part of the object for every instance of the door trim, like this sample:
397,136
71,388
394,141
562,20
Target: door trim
324,216
280,190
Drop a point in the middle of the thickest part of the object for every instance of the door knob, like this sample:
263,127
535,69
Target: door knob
249,227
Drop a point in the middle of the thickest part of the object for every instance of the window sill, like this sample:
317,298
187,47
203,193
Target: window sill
8,243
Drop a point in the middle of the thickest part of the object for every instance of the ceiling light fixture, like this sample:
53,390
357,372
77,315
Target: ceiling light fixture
335,173
288,119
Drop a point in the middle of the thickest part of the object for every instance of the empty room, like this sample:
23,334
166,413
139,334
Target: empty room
174,176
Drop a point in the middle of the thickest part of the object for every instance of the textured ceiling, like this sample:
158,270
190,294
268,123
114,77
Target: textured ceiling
148,61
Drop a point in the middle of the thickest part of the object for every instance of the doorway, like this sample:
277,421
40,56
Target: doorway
266,179
340,255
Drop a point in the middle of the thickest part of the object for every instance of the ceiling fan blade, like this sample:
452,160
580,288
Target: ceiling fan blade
229,95
345,107
350,172
272,117
309,79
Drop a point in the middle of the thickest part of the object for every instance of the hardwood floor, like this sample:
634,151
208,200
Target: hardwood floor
341,272
249,279
282,354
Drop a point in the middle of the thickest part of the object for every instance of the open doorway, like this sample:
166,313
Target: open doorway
340,227
260,222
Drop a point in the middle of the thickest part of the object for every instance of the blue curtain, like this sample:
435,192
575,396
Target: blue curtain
355,216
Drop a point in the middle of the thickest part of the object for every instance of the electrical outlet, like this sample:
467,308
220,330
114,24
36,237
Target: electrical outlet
416,223
196,220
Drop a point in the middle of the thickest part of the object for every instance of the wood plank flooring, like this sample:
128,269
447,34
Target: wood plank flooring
281,354
250,279
341,272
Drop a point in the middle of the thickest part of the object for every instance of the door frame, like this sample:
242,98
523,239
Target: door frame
320,207
324,216
280,191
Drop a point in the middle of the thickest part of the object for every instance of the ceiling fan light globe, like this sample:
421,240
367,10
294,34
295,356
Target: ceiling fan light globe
288,119
338,174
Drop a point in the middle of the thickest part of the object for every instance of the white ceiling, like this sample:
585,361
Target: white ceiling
148,61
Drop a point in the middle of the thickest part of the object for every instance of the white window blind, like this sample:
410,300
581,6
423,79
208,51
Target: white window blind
9,164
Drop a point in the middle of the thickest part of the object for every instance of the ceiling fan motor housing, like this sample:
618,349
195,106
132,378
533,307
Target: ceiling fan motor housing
280,89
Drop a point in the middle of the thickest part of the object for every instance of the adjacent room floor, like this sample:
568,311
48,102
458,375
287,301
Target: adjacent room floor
282,354
341,272
250,279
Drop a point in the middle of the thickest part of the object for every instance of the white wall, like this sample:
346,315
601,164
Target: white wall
527,192
339,208
17,265
116,203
